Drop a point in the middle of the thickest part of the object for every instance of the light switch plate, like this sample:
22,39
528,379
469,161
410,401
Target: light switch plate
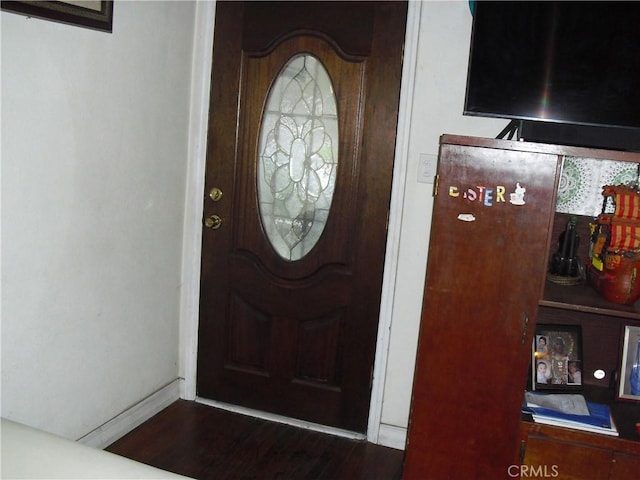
427,167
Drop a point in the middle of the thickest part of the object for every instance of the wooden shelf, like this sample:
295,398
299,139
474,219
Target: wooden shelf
601,322
625,416
532,237
583,298
619,444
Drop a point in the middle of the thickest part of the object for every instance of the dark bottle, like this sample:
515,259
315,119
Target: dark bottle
564,261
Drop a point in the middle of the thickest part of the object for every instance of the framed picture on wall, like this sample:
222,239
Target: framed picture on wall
556,359
629,378
95,14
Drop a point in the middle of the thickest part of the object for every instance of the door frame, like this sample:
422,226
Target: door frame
194,193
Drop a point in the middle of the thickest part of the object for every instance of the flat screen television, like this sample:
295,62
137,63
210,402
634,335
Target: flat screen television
558,66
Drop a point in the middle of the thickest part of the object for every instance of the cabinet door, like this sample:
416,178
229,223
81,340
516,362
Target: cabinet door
625,467
485,275
545,458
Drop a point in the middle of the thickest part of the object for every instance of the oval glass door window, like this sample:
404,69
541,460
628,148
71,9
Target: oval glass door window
298,157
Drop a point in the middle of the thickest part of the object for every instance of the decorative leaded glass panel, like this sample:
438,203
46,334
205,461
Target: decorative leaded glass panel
298,157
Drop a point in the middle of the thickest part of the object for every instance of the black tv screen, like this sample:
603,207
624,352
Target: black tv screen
575,62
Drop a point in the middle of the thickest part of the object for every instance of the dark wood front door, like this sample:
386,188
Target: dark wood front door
289,305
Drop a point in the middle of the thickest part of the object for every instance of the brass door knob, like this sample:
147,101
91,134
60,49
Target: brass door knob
215,194
214,222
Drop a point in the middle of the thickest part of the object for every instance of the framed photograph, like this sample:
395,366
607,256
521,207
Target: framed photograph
556,359
94,14
629,378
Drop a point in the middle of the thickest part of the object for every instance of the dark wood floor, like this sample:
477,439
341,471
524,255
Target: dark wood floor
208,443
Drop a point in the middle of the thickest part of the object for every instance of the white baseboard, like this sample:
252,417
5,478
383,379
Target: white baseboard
126,421
392,436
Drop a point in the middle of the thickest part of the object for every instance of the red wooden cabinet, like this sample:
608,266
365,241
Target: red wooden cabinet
552,452
552,458
624,466
492,230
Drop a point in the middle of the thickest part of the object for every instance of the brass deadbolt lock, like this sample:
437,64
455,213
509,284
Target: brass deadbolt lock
213,222
215,194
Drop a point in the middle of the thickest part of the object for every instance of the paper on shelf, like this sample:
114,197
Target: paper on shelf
612,430
573,404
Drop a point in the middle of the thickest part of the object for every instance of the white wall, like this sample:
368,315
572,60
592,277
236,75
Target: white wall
94,155
441,70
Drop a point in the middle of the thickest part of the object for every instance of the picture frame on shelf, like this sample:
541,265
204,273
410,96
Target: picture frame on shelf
556,358
93,14
629,378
